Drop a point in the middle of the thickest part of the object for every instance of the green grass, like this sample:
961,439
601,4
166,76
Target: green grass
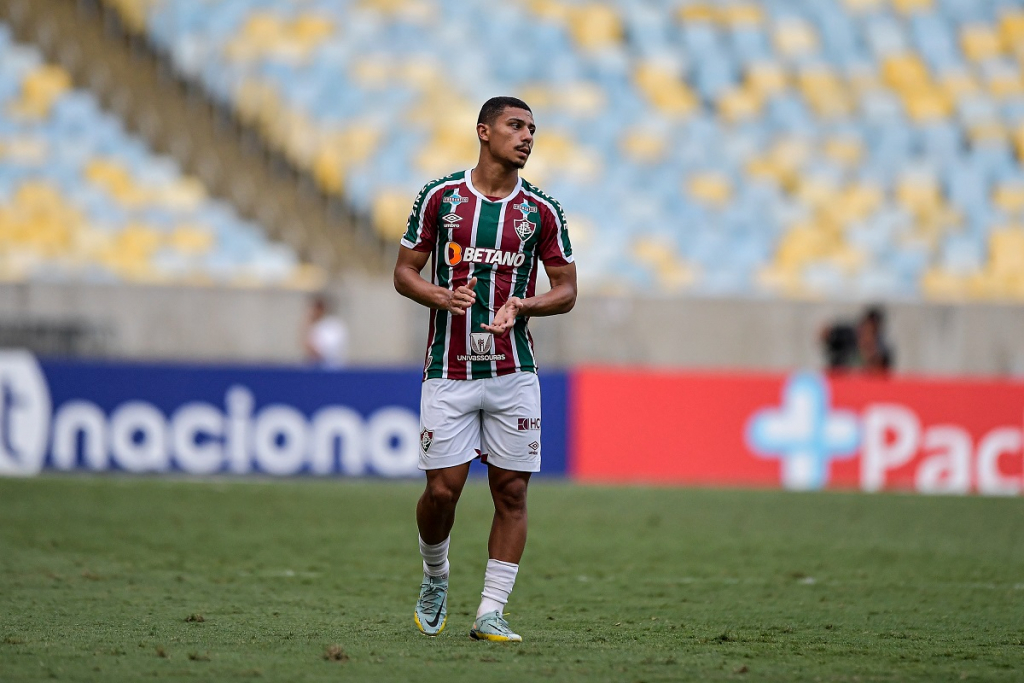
117,579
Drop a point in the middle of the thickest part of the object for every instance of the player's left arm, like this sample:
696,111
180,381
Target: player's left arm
559,299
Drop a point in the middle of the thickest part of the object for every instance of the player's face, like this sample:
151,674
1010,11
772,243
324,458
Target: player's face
511,136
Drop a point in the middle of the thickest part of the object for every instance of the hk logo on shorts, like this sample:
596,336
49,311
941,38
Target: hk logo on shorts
481,343
426,438
529,423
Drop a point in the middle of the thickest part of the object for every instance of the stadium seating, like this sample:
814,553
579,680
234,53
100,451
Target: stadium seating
867,148
82,200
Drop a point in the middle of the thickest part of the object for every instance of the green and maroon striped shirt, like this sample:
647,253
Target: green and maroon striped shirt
499,242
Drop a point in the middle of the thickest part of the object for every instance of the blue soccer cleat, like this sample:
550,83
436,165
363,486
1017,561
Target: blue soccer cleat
432,607
492,626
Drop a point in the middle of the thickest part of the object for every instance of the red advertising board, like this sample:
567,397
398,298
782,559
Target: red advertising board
799,431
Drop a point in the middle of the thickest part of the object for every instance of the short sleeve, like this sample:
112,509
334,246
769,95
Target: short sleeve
421,229
555,249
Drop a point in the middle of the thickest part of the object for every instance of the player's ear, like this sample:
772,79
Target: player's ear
483,132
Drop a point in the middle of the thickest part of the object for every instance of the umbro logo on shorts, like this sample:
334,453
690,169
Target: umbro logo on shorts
529,423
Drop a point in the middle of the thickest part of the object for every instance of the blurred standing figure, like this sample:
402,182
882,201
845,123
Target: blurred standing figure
859,346
326,338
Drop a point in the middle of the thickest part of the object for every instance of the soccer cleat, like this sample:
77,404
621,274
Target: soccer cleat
492,626
432,607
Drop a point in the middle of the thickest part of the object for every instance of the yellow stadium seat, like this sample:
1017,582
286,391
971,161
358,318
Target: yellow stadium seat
846,152
710,188
941,285
958,84
697,11
1018,141
594,26
929,104
988,132
552,10
1006,250
328,171
740,104
795,38
803,244
311,28
741,14
1009,198
766,78
905,72
918,194
815,192
643,146
191,239
913,6
980,42
825,92
1006,84
665,90
1011,31
390,213
862,80
40,89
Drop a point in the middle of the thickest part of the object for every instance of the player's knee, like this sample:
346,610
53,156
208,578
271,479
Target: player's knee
511,498
442,495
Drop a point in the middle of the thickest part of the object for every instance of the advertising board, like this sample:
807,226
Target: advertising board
801,431
199,419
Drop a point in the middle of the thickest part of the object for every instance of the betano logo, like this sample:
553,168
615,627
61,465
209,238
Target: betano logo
454,254
804,433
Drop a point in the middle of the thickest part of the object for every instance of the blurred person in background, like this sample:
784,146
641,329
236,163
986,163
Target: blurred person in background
326,337
858,346
486,228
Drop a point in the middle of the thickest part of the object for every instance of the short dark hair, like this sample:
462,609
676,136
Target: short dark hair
493,107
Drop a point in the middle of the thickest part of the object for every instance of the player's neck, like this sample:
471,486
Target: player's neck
494,179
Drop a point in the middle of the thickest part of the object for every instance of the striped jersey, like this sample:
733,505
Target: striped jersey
497,241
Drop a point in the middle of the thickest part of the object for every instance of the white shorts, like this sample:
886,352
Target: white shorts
497,419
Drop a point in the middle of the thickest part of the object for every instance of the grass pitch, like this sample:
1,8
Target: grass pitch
115,579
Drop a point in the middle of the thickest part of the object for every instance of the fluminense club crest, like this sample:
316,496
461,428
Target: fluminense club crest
524,228
426,438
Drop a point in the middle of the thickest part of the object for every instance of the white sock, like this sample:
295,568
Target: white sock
435,557
498,581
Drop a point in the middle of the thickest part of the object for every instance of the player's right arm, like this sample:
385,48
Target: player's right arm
409,283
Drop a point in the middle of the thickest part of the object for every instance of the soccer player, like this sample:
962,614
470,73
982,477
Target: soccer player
485,228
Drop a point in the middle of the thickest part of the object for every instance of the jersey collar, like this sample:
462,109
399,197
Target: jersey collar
515,190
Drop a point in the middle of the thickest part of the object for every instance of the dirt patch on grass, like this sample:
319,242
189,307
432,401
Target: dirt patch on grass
335,653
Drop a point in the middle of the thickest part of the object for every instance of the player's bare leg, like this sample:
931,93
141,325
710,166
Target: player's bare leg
435,512
508,529
505,548
435,515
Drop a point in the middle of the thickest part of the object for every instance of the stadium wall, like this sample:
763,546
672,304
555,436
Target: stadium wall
265,325
798,431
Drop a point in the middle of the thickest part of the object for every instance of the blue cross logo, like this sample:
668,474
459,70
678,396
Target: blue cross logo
804,433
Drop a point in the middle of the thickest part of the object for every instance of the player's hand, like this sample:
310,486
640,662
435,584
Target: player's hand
505,317
461,299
